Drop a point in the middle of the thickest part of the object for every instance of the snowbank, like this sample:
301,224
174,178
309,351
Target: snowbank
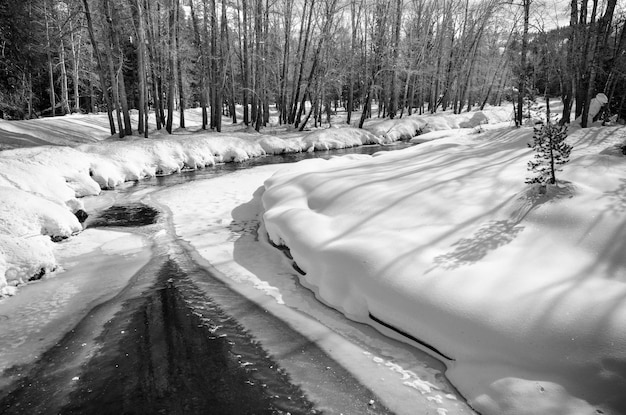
523,295
414,125
323,139
41,187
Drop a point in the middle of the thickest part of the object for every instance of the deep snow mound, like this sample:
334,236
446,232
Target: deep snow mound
414,125
522,293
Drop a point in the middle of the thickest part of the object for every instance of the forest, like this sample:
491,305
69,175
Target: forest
306,59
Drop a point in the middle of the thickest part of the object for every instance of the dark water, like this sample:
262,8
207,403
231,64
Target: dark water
171,351
129,215
165,356
139,214
220,169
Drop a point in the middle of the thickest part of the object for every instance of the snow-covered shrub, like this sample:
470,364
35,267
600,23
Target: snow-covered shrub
551,150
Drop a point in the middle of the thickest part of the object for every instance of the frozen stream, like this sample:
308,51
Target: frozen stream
198,313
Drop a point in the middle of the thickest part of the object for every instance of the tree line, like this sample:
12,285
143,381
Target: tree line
305,58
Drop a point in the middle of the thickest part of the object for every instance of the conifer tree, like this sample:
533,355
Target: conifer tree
551,150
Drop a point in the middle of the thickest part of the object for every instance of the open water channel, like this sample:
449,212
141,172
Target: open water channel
141,325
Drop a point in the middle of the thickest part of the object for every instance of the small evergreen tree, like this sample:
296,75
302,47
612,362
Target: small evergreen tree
551,150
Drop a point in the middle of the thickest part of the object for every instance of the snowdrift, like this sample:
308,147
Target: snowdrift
522,294
41,186
415,125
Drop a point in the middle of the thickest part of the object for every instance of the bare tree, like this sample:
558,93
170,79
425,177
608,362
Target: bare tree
522,71
599,41
173,16
100,66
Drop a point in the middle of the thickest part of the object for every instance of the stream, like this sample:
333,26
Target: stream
141,319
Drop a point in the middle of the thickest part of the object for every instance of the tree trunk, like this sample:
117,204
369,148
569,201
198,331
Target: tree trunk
353,27
173,11
522,74
246,64
226,54
92,92
65,96
181,88
599,39
296,86
259,64
114,84
284,75
119,78
128,129
582,46
75,66
100,65
203,64
393,98
316,57
50,65
121,85
138,21
567,94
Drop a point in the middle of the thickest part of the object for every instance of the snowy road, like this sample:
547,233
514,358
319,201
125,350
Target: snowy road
201,291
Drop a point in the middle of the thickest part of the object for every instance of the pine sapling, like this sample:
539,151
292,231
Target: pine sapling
551,150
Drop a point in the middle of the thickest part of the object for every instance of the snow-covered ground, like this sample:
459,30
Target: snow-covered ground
41,186
224,228
522,294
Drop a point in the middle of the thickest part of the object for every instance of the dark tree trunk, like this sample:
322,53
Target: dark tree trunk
181,87
203,64
522,74
114,85
50,66
246,64
173,11
599,42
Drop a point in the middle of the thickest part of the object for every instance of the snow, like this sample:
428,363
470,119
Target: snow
325,139
520,293
73,157
407,128
41,187
227,234
523,292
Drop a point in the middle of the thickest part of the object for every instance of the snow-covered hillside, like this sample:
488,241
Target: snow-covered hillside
522,294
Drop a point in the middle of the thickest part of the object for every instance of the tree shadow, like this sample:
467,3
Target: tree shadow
497,233
617,198
489,237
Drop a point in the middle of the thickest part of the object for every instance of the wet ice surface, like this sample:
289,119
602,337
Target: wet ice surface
95,266
332,364
227,235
